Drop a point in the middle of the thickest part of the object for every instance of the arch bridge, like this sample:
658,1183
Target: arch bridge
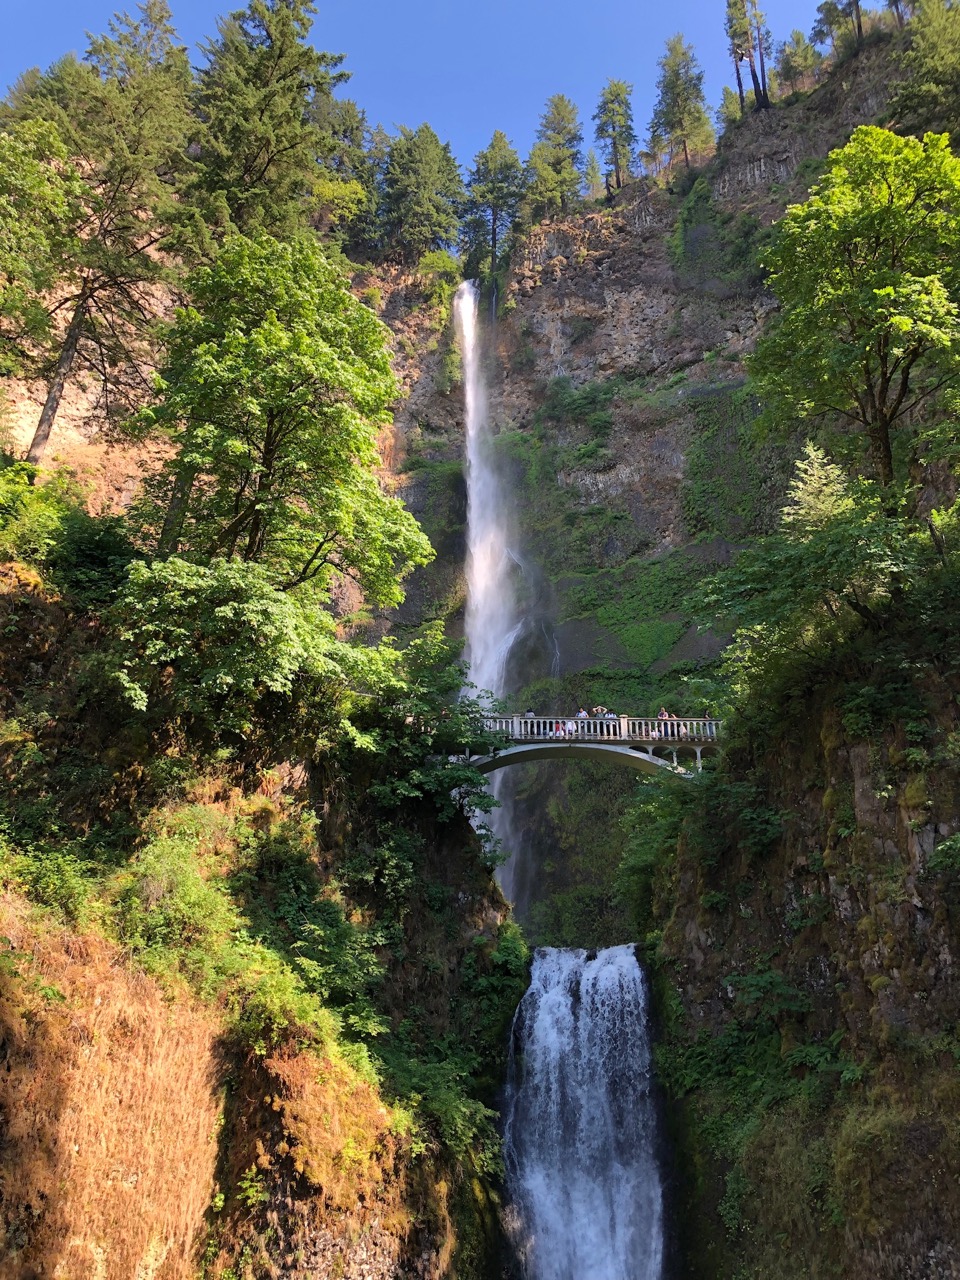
646,744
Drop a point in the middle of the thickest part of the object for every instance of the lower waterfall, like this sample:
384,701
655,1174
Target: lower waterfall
586,1200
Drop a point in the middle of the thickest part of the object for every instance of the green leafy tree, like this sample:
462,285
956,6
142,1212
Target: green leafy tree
422,195
730,110
260,100
495,188
614,131
680,111
555,165
40,196
797,61
866,274
274,383
929,97
123,115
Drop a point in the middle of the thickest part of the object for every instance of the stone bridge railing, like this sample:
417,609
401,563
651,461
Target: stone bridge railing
645,730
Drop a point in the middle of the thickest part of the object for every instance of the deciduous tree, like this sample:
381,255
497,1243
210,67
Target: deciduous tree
274,383
866,271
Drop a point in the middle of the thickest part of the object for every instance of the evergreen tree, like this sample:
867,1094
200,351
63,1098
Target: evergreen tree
614,128
730,110
556,160
797,61
592,175
40,202
680,112
929,97
123,115
422,195
260,98
741,35
495,188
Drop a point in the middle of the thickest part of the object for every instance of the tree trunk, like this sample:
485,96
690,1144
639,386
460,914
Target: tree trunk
882,451
763,66
758,100
736,71
857,21
52,403
897,8
686,153
168,542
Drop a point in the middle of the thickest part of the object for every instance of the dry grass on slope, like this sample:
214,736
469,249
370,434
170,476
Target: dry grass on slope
109,1109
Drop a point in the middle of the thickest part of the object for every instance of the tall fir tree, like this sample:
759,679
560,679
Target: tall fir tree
742,38
680,112
592,175
554,169
260,101
422,195
123,114
614,128
495,189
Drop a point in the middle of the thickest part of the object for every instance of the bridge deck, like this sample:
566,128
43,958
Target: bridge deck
640,730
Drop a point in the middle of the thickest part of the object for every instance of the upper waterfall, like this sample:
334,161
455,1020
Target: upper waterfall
492,613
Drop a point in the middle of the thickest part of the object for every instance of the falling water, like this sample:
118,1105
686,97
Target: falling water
492,620
579,1122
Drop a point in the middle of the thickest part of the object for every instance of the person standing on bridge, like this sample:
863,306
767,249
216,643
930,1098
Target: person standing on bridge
582,715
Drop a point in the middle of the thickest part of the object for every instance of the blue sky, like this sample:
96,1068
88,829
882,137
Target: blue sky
466,69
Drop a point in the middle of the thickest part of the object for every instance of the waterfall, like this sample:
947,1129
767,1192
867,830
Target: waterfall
492,621
582,1177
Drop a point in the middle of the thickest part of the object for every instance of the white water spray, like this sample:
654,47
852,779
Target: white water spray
492,623
580,1122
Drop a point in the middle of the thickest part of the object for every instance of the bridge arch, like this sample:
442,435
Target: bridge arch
641,743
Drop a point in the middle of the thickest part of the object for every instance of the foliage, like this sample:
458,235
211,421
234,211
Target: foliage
614,131
865,270
495,189
680,111
38,197
123,116
260,99
929,95
422,194
274,382
555,163
798,61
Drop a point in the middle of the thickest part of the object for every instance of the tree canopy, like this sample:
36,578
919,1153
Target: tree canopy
867,277
680,112
274,382
615,133
495,188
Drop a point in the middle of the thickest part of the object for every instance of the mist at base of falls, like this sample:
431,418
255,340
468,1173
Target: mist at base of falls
586,1201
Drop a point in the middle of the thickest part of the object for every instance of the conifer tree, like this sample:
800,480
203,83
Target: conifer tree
797,61
259,100
556,160
592,174
495,188
614,128
741,35
422,195
123,114
680,112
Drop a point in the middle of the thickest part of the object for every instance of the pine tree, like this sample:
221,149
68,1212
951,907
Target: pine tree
260,97
797,61
123,115
730,110
680,112
495,188
614,128
592,175
556,160
422,195
741,35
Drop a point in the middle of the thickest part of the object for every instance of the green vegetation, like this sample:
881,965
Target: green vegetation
680,117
